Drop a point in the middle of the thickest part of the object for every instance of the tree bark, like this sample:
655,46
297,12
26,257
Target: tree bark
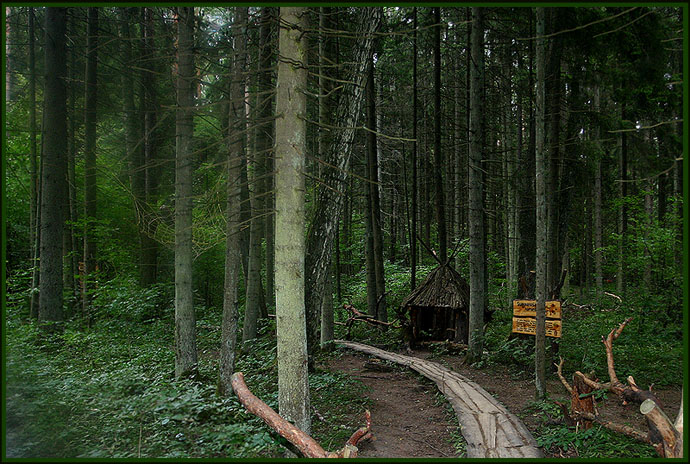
413,193
149,258
328,204
236,148
598,231
252,307
290,152
374,204
133,146
541,220
477,254
34,220
185,318
264,142
53,175
90,121
622,209
438,155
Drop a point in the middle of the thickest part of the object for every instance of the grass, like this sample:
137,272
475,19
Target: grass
109,392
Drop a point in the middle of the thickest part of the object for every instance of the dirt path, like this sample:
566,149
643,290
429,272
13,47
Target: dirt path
407,421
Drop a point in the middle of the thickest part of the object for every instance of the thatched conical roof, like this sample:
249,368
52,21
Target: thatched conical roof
443,287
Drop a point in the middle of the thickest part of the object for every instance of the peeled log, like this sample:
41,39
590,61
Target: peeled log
672,440
303,442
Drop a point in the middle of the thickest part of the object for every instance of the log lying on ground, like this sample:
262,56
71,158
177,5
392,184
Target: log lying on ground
305,444
360,316
665,436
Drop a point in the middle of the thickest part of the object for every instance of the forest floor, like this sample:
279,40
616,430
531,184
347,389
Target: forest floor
410,420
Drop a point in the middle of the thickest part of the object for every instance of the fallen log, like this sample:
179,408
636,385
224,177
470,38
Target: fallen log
665,436
304,443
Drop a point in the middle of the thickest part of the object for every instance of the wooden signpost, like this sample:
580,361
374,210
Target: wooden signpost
525,321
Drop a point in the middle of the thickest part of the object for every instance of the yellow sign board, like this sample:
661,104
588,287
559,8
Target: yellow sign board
528,325
523,308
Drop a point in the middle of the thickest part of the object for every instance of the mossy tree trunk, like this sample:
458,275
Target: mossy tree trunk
53,175
477,252
185,318
233,259
290,152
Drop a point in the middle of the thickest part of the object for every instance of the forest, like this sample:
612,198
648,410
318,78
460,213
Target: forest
344,207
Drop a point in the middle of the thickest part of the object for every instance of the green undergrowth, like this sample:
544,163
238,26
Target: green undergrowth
109,392
594,443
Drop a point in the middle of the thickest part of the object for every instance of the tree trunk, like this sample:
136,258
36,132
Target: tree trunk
133,145
541,220
622,209
33,185
438,156
90,103
327,314
598,231
53,175
374,204
477,254
185,318
9,55
328,203
290,152
369,256
252,306
34,222
413,193
236,148
148,274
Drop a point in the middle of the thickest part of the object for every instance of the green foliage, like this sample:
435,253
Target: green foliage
109,391
594,443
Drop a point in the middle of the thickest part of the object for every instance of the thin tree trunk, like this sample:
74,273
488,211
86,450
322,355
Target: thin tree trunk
460,163
374,204
326,62
413,193
54,171
290,150
622,209
477,254
33,187
9,55
34,222
133,146
598,231
438,156
185,318
237,115
236,148
541,220
264,141
91,96
369,255
148,274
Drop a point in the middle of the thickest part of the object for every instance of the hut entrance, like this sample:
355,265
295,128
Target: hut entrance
436,323
438,307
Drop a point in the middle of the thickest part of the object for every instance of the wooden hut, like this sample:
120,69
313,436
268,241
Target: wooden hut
439,307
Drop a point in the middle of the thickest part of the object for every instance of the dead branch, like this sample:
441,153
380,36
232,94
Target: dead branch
559,371
303,442
663,435
360,316
620,300
608,343
624,429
